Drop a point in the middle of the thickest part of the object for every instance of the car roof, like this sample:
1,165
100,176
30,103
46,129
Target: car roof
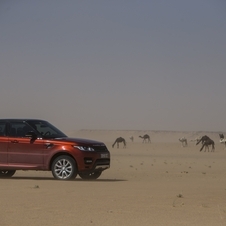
21,119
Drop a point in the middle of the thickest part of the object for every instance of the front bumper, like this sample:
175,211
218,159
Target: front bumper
96,165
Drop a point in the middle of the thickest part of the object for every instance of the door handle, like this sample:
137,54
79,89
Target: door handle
48,145
14,141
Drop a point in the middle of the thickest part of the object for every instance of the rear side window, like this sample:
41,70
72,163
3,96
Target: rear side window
2,128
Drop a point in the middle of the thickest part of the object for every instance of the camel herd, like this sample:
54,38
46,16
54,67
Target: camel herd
205,141
146,139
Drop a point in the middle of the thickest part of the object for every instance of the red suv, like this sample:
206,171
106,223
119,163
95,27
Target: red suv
31,144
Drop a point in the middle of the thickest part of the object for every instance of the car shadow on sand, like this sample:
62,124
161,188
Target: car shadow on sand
52,179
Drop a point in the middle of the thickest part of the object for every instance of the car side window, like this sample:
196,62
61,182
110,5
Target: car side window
18,129
44,129
2,128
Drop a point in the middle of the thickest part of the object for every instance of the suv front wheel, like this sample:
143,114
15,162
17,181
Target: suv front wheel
64,168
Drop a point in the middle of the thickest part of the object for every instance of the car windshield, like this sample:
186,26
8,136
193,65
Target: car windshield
46,129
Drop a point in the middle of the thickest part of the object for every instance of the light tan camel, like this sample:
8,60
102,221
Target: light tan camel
222,140
196,139
183,141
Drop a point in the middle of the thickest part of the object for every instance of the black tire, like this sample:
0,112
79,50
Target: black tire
64,168
7,173
90,176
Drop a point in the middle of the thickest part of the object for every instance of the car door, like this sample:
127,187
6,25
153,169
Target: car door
22,152
3,143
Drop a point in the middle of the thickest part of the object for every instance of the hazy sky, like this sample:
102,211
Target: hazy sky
144,64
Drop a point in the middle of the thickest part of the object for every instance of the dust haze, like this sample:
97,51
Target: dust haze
115,65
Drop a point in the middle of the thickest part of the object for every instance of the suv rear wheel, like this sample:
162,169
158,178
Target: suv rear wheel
64,168
7,173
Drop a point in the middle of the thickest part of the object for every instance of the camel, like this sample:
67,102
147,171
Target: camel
131,138
146,138
183,141
206,142
196,139
119,140
222,140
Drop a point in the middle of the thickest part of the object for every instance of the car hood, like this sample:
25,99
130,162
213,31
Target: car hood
80,141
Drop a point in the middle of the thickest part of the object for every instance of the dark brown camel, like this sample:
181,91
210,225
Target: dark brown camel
206,142
221,135
119,140
146,138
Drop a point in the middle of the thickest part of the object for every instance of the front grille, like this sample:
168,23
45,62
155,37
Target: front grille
100,148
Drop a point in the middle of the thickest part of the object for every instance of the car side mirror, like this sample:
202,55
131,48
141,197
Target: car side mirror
32,135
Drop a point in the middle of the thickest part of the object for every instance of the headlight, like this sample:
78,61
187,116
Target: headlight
83,148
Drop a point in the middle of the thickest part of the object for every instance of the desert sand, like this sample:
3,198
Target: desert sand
157,183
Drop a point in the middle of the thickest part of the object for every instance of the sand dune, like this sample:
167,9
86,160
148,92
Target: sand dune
159,183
